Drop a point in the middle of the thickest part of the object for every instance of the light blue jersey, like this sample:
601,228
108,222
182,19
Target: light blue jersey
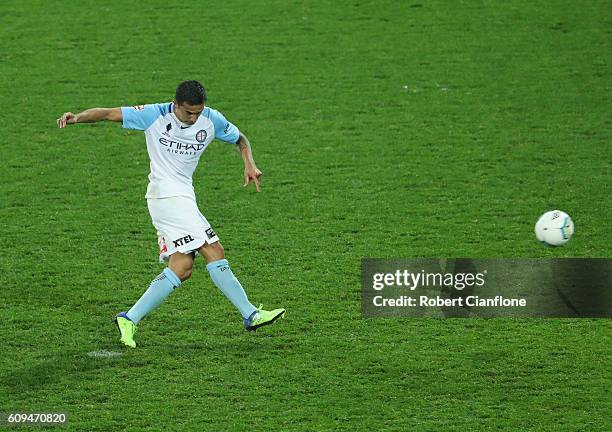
175,148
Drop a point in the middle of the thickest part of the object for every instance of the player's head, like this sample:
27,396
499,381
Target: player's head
191,92
189,101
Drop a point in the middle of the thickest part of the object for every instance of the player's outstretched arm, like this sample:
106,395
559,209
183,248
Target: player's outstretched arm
91,115
251,172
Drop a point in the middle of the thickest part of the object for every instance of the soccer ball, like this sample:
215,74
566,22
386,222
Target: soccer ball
554,228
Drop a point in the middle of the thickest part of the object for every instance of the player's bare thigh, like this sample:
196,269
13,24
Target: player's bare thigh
181,264
212,252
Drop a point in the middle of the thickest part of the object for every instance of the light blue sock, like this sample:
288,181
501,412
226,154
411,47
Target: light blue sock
161,287
222,276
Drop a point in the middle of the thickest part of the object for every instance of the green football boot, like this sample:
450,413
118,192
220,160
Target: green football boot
261,318
127,329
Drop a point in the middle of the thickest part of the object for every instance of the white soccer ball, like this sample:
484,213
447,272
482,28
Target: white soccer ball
554,228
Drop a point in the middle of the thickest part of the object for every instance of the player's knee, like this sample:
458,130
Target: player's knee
181,264
219,249
183,273
212,252
218,252
186,274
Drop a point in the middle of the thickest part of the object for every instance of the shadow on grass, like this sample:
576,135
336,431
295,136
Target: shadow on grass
67,369
56,369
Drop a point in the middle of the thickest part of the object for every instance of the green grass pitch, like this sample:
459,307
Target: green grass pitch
389,129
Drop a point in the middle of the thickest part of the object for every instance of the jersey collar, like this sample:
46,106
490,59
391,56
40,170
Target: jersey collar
180,123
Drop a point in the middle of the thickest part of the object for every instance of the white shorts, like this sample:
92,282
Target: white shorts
181,227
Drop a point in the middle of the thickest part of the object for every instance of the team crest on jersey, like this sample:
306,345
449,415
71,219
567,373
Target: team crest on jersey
201,136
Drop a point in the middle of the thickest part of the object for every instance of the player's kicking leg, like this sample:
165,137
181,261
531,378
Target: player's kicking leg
224,279
178,270
261,318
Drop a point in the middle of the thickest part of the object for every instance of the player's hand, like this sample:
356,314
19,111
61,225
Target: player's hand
252,174
66,119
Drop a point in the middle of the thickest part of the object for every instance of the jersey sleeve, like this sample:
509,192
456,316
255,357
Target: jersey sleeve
224,130
140,117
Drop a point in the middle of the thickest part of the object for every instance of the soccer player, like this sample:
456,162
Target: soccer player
177,133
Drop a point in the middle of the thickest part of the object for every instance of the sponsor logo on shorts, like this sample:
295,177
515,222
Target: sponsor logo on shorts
201,136
183,241
210,233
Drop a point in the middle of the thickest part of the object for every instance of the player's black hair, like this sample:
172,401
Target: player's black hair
191,92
